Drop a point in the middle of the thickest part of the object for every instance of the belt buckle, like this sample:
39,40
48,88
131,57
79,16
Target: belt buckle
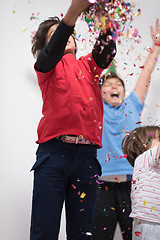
77,139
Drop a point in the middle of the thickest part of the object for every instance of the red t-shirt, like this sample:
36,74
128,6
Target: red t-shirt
72,103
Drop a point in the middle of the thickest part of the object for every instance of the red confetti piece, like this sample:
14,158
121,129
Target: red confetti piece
149,50
131,74
138,122
124,156
138,234
133,181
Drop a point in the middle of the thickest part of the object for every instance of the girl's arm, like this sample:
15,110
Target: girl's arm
142,84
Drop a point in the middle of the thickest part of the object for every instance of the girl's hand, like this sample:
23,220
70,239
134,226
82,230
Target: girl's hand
156,33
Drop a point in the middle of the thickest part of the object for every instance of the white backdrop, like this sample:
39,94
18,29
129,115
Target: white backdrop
20,99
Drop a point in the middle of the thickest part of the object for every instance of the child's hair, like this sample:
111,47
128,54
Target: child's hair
110,75
138,141
39,39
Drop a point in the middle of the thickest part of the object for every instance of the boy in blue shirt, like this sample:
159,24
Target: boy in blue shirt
120,116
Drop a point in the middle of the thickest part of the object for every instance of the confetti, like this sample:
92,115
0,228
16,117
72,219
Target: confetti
81,209
138,234
73,186
133,181
24,29
82,195
99,182
33,17
107,158
124,156
103,15
95,176
149,50
131,74
141,67
154,208
88,234
144,203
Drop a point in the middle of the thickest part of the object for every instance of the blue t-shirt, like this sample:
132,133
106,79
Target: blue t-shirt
116,122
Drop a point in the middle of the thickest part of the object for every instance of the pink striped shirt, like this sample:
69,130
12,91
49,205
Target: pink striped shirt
145,194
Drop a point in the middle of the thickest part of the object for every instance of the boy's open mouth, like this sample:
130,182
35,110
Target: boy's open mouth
115,94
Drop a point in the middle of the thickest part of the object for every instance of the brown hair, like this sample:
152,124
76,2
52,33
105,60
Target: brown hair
139,141
110,75
39,39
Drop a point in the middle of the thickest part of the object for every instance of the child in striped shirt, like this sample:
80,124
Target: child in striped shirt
142,149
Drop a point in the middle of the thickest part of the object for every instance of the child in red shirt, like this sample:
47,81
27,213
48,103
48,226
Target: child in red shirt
70,130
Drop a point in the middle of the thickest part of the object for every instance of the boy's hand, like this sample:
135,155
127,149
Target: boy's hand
75,9
80,5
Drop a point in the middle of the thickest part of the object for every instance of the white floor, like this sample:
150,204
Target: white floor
118,235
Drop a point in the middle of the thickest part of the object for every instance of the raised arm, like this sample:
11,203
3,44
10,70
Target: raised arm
104,50
53,51
75,9
143,81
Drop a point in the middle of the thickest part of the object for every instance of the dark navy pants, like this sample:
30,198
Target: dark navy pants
113,205
64,172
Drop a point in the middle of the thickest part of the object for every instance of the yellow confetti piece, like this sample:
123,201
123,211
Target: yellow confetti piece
127,35
82,195
139,57
157,105
24,29
112,208
144,203
103,21
91,98
97,76
13,11
154,208
123,130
